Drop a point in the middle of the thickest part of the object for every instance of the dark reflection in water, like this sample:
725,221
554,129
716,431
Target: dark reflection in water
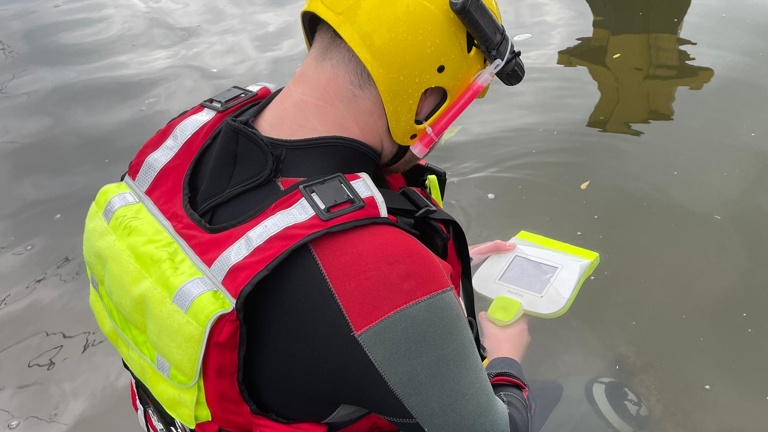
634,56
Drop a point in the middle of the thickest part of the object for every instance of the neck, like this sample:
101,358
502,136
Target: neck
319,101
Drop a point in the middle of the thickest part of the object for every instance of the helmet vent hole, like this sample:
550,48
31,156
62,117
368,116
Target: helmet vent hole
413,137
441,69
432,99
470,43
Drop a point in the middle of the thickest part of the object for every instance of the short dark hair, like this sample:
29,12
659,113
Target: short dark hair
330,46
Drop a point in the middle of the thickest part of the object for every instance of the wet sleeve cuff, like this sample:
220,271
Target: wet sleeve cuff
506,373
505,364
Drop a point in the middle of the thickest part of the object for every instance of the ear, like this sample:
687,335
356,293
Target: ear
432,99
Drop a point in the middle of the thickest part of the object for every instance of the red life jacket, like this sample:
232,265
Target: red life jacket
243,254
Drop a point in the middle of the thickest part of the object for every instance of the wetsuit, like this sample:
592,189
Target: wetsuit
360,321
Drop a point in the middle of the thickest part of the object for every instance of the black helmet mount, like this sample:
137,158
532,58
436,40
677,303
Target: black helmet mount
491,38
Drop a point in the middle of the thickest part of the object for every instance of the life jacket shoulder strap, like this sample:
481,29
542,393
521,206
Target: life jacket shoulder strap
408,203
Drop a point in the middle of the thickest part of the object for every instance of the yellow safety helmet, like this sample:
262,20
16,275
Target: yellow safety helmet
408,46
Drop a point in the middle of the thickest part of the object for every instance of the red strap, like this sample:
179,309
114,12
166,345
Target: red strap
505,380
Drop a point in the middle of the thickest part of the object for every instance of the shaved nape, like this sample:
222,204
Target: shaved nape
329,48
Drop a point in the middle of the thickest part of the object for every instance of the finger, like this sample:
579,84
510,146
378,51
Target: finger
490,248
482,318
473,247
485,323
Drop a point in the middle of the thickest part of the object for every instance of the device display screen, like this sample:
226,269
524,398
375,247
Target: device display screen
529,275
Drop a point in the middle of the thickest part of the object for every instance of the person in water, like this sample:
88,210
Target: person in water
273,261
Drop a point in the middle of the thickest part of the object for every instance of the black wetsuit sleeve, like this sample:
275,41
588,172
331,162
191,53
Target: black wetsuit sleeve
508,382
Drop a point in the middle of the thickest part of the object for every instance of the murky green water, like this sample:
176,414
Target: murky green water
659,105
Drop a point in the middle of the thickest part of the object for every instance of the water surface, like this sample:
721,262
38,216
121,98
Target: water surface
659,105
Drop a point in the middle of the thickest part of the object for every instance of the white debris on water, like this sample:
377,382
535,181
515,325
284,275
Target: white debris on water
57,217
706,387
578,233
717,217
214,70
744,315
595,216
29,247
491,196
13,424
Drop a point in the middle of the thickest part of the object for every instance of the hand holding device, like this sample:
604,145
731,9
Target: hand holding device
540,277
508,341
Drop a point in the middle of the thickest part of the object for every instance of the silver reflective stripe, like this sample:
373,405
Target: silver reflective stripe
186,295
184,246
157,160
365,187
279,221
296,214
259,85
116,203
163,366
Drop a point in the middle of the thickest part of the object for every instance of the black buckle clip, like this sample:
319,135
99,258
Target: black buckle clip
328,193
228,98
423,206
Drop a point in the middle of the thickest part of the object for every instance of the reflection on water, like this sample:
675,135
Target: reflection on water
634,56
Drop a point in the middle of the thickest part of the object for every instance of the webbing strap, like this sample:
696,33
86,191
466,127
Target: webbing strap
398,204
273,225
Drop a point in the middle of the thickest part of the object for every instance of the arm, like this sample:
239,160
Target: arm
427,355
505,347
